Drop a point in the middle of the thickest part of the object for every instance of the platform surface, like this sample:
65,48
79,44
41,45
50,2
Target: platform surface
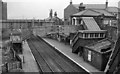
29,64
67,51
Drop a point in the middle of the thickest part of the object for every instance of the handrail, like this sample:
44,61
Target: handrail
75,38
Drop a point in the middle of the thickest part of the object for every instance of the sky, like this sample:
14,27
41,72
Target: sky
39,9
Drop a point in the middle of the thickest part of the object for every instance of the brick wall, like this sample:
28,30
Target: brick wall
68,11
4,11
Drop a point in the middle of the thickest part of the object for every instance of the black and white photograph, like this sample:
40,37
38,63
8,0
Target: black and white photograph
60,36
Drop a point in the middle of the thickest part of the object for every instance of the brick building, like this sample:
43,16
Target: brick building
107,21
75,8
55,18
3,14
3,10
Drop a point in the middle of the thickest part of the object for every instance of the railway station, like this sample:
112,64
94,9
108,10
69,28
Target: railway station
86,41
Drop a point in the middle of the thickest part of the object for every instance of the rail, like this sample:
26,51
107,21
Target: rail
52,60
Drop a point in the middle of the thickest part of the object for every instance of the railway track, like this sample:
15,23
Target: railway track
48,59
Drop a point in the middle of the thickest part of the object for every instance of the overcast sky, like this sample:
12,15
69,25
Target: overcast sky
39,9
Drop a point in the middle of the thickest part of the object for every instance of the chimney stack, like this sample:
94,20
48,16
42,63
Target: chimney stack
70,2
81,7
55,14
51,13
106,3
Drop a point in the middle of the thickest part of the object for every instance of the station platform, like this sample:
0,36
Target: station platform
67,51
29,63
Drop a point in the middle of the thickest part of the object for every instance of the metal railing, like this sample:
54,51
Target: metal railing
75,38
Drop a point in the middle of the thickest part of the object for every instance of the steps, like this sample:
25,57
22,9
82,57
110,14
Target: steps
75,47
81,43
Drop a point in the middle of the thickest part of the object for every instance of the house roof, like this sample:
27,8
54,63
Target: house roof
84,42
87,12
99,45
53,19
91,6
103,11
93,12
113,9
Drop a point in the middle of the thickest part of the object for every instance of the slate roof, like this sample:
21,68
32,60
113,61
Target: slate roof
84,42
103,11
99,45
91,6
93,12
91,23
113,9
87,12
53,18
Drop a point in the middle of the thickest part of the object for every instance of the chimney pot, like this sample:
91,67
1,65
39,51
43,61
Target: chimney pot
70,1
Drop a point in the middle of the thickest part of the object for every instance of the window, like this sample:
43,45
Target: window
73,22
79,21
86,35
91,35
96,34
105,22
83,35
101,34
110,22
89,55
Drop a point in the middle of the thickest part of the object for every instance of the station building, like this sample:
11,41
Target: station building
75,8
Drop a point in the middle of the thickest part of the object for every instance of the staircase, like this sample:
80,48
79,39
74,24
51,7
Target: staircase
80,42
75,43
75,46
75,38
